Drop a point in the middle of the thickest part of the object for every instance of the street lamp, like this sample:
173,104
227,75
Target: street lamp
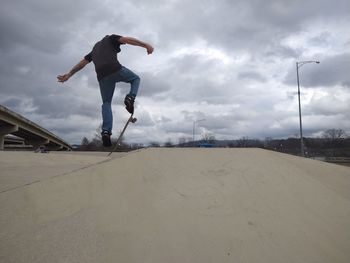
194,127
299,65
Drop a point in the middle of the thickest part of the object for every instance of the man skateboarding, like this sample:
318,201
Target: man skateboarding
109,71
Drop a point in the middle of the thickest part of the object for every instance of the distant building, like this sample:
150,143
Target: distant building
205,145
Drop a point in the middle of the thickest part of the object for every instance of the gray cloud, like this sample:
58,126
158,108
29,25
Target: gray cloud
153,85
230,62
332,71
251,76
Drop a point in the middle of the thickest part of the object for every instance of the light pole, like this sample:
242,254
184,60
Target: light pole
194,127
299,65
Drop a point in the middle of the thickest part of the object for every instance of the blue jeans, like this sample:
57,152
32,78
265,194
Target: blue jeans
107,87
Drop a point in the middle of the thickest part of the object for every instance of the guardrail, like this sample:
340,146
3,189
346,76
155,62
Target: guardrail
338,159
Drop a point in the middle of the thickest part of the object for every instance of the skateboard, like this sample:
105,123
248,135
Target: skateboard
132,120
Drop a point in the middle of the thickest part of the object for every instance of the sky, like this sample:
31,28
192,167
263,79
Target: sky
225,67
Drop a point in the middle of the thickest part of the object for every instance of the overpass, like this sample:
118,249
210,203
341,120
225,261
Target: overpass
33,134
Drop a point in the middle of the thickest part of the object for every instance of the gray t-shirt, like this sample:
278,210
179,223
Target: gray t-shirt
104,56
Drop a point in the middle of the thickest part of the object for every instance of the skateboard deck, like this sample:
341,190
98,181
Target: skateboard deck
132,120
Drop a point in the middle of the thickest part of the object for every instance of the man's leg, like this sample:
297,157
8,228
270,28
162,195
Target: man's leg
126,75
107,87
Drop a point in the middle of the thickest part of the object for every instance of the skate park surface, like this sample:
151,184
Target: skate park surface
173,205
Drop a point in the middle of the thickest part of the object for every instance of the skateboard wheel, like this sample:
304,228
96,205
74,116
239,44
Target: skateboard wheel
134,120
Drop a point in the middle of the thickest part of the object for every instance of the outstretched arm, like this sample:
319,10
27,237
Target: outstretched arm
76,68
136,42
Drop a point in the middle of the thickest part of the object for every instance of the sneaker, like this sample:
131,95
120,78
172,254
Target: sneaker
129,103
106,138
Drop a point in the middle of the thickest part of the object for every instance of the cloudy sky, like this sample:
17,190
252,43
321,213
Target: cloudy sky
230,62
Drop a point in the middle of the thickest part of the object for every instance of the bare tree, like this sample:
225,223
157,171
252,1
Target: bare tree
154,144
208,137
84,144
97,135
334,134
334,137
168,143
182,141
243,142
85,141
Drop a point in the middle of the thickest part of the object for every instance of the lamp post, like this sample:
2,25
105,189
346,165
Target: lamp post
299,65
194,127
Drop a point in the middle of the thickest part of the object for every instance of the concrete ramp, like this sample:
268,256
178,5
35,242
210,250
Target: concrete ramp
18,169
182,205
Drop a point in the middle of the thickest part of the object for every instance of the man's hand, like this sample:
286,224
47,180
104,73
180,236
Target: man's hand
149,49
76,68
63,78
